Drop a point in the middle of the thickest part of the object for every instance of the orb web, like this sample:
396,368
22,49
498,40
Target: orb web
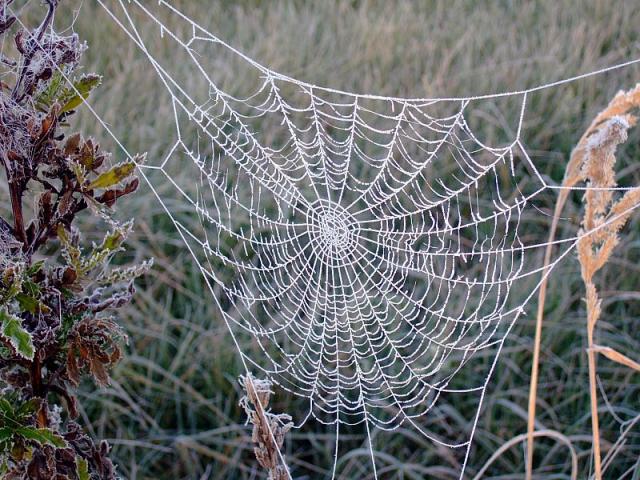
366,246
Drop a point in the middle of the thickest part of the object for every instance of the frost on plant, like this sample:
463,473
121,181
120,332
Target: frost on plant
58,295
269,429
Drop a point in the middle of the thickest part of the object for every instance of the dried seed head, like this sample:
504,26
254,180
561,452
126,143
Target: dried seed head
269,429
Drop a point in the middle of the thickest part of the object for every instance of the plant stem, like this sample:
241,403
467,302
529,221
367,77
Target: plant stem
591,356
535,363
38,390
595,427
15,191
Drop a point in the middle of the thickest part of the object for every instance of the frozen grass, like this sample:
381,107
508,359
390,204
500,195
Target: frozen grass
173,411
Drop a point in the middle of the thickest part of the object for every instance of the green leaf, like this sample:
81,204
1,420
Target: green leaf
74,97
31,288
28,298
12,331
43,436
96,259
27,303
51,92
70,251
120,275
27,408
35,268
5,434
6,409
113,176
79,170
13,279
113,239
31,304
82,469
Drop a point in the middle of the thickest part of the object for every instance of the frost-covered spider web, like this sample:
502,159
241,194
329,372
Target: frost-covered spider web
368,247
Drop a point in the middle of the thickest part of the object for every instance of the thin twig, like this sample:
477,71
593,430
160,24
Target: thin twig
38,37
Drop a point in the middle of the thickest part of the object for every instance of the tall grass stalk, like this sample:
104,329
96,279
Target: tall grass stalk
591,162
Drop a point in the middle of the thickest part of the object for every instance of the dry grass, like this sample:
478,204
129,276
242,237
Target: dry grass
592,163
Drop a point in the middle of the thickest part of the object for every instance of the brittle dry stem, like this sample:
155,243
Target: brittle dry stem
597,145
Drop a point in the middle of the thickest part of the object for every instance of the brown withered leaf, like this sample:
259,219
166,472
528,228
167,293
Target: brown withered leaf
616,356
45,209
89,156
94,345
64,205
48,123
68,276
20,41
109,197
49,463
72,144
95,455
43,464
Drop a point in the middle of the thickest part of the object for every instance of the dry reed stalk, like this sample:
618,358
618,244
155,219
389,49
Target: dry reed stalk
592,161
269,429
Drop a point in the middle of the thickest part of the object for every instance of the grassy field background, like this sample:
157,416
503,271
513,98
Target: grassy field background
172,411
